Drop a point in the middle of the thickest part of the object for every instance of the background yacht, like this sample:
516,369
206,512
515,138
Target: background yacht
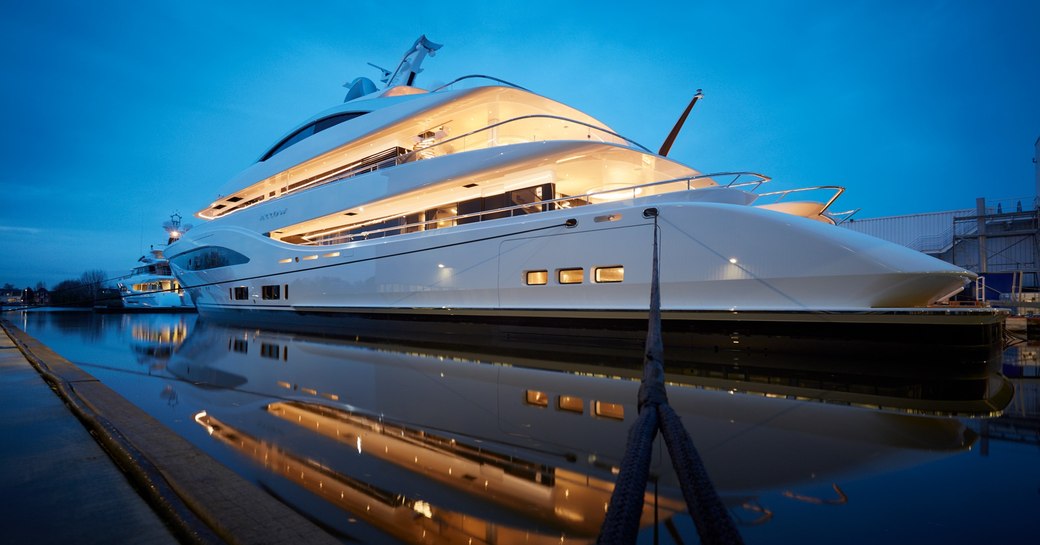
151,286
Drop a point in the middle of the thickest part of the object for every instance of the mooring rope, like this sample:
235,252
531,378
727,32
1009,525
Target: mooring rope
621,525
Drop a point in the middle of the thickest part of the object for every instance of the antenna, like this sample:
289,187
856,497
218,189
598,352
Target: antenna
407,69
174,228
667,145
386,73
410,64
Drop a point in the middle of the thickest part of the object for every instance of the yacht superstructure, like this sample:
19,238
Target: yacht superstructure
492,204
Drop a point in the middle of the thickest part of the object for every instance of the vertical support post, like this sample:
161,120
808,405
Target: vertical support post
980,213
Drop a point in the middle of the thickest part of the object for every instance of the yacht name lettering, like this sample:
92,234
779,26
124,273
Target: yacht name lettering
275,214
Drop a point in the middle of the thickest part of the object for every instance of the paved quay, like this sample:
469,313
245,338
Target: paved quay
146,485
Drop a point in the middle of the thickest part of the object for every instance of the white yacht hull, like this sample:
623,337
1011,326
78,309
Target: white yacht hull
721,264
158,301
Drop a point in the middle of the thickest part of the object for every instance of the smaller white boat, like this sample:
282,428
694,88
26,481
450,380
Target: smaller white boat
151,285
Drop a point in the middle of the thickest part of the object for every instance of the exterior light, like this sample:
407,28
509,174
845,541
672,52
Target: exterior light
733,260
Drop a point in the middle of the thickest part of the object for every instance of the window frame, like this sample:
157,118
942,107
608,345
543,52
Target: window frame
562,271
596,274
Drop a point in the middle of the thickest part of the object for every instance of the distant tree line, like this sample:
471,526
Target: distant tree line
80,292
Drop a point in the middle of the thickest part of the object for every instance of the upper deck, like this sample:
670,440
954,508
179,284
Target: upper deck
404,125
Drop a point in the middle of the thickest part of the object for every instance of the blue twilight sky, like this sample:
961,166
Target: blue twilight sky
118,113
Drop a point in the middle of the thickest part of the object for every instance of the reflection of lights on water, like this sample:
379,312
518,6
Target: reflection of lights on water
198,419
359,444
423,509
166,334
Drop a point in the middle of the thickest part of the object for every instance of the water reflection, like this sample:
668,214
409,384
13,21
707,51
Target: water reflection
152,338
434,446
501,449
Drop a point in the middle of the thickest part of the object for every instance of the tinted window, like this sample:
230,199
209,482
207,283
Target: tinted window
309,130
209,257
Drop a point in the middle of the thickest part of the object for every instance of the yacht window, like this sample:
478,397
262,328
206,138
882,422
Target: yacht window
447,215
208,257
411,220
494,202
310,130
536,398
272,351
610,410
240,293
472,206
605,275
570,276
537,278
442,216
527,196
270,292
571,404
286,290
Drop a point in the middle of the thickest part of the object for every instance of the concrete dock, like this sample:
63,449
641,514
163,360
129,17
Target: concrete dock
80,464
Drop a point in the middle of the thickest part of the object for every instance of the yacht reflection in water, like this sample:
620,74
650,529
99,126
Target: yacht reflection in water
155,337
456,447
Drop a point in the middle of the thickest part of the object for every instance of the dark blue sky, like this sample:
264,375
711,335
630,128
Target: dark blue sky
118,115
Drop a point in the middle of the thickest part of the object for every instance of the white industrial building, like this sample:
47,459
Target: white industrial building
999,239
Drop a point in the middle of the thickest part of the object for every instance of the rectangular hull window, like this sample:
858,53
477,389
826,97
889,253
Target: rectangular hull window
570,276
537,278
571,404
610,410
270,292
536,398
604,275
241,293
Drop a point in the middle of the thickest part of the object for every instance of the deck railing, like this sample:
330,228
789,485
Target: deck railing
739,179
562,128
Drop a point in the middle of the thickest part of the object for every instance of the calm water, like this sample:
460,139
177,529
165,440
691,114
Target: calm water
383,443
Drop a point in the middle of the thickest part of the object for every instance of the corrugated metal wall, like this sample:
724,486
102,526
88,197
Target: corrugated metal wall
930,233
1012,237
